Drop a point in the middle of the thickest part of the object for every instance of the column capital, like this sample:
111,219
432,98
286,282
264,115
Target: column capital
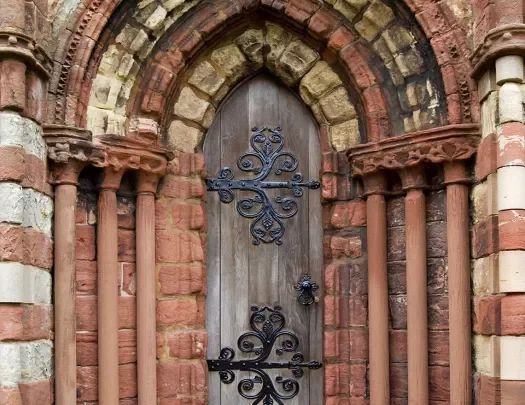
133,154
16,45
413,177
375,183
70,150
456,173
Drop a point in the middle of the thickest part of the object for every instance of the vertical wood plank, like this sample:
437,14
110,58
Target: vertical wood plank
235,240
293,253
212,149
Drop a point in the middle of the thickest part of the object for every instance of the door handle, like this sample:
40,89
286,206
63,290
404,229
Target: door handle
306,288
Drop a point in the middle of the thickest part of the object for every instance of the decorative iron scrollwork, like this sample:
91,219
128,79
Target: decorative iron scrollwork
306,287
267,326
267,145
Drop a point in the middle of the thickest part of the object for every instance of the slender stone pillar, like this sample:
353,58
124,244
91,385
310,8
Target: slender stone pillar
107,260
375,186
146,294
459,284
416,274
66,163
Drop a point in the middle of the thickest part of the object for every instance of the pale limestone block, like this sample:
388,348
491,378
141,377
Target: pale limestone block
97,120
116,124
375,18
383,50
318,82
131,38
349,8
489,109
420,119
337,107
409,62
512,358
146,49
207,79
398,38
144,125
487,84
23,284
408,124
485,275
231,60
509,69
510,195
24,362
486,355
11,203
277,40
512,271
110,61
171,4
478,199
395,74
156,18
191,107
19,131
411,95
296,60
183,138
345,135
318,114
251,43
104,92
510,103
38,210
127,65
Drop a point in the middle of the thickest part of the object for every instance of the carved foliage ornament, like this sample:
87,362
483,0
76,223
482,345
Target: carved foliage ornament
433,151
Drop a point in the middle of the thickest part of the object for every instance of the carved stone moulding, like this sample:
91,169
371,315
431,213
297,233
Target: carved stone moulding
439,145
504,40
132,153
23,46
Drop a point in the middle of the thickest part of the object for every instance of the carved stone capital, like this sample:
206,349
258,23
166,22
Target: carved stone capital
374,183
456,173
21,46
413,177
148,182
70,149
125,154
440,145
504,40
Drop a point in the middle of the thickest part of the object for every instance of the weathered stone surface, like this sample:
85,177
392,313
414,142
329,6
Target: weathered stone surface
349,8
337,107
345,135
375,18
182,137
277,40
296,60
207,79
318,82
231,60
191,107
251,43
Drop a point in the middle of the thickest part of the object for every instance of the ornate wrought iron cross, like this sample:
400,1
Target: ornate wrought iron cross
267,145
267,326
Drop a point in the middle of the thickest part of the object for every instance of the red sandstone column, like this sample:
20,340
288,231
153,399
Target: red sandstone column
458,284
107,259
146,292
65,280
416,274
375,186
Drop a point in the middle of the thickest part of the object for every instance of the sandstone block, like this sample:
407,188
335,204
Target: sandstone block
486,358
277,40
510,103
375,18
489,109
513,315
511,144
398,38
251,44
193,108
345,135
511,274
19,131
232,62
512,352
349,8
487,84
26,362
509,69
485,275
318,82
105,92
182,137
510,196
207,79
296,60
336,106
24,284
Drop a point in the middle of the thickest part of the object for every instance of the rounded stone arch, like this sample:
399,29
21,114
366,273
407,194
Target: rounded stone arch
367,32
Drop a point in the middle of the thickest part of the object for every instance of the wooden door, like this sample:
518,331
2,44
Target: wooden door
242,274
